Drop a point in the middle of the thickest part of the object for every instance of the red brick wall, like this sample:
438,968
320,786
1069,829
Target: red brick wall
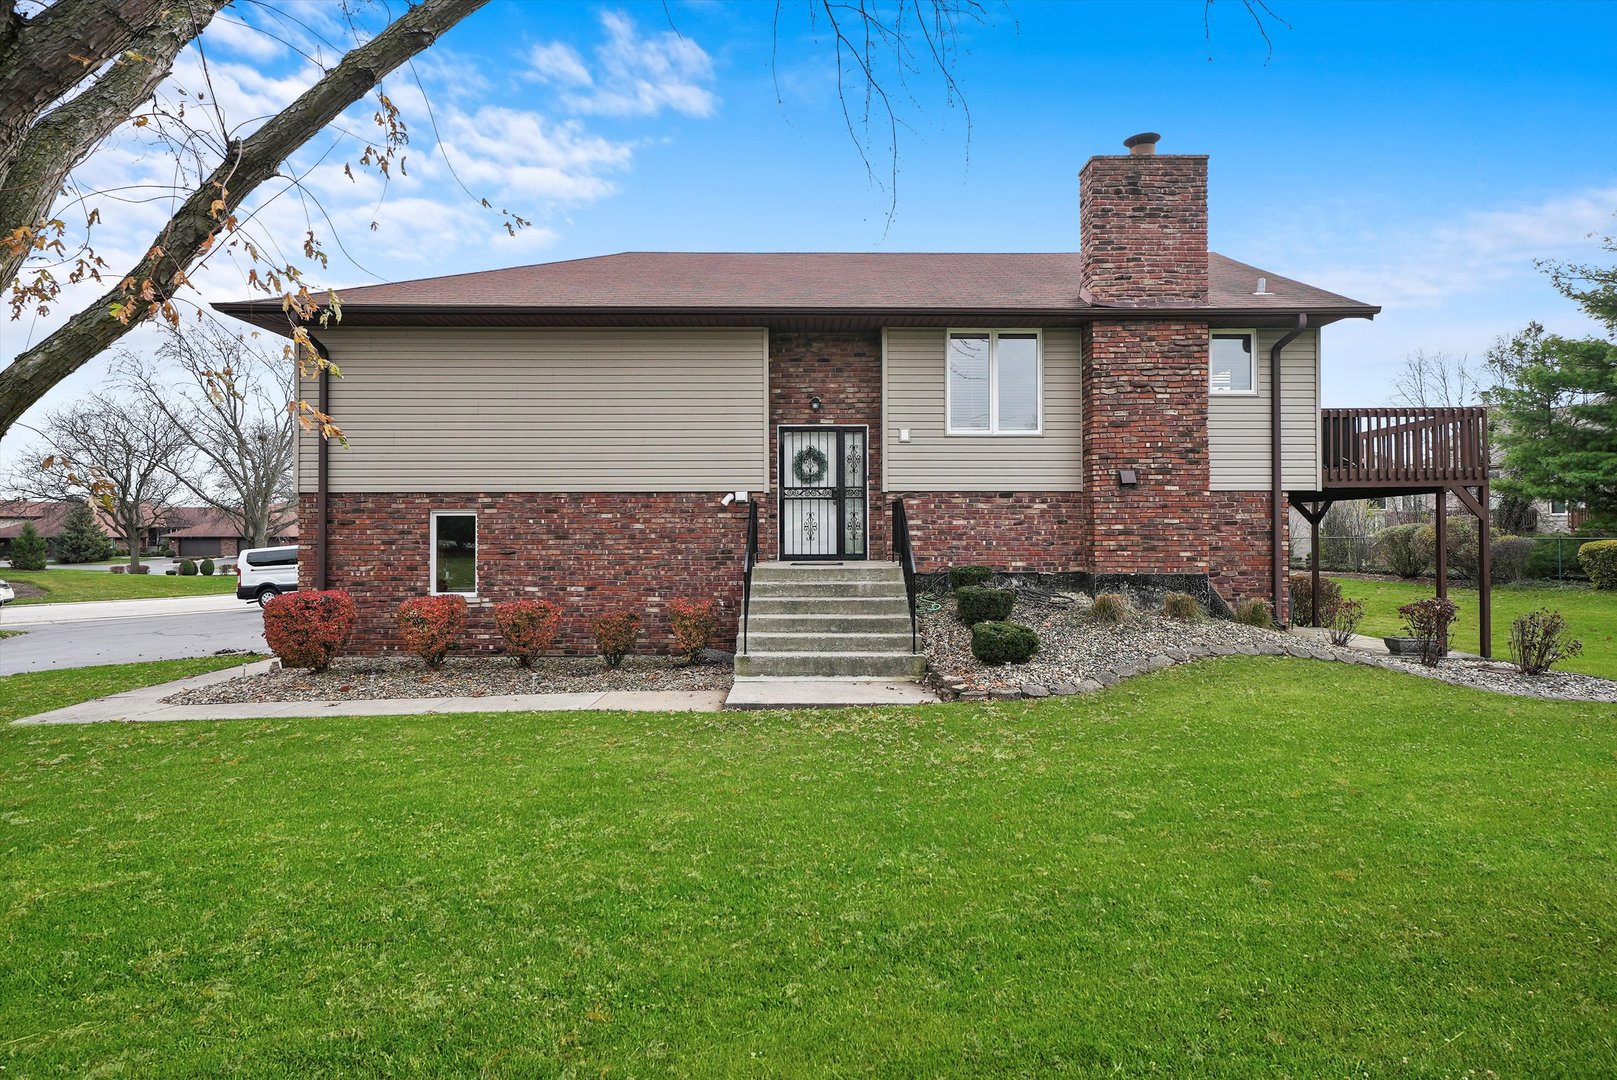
1142,220
1239,525
590,553
1019,532
842,369
1145,408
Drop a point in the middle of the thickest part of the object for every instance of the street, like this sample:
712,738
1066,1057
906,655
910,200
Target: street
125,631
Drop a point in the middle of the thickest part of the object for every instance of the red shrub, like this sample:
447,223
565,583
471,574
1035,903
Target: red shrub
431,625
692,621
309,629
615,634
528,626
119,569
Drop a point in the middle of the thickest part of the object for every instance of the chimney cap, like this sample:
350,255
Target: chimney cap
1143,143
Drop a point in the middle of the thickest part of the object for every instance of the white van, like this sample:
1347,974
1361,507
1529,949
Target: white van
262,574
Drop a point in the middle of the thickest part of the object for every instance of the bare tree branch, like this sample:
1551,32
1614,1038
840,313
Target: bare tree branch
208,212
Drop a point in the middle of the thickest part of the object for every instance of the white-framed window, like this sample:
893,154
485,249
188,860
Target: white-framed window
994,382
1557,506
1232,362
454,552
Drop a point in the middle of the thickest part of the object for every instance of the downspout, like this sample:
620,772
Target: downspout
1277,494
322,466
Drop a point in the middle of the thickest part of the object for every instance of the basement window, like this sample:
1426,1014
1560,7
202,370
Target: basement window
1232,362
994,382
454,552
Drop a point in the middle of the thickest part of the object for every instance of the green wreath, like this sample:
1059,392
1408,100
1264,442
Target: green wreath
809,466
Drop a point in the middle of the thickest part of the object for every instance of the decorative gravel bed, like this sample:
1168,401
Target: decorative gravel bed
371,678
1079,655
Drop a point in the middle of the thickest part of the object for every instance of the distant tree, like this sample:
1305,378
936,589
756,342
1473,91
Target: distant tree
117,452
1516,516
1430,380
227,400
28,549
1555,419
82,539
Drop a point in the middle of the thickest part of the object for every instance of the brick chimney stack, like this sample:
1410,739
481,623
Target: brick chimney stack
1142,220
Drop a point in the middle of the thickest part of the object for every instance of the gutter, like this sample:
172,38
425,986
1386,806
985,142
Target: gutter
1277,494
322,471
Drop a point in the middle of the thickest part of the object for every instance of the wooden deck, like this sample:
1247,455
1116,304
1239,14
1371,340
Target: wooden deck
1398,448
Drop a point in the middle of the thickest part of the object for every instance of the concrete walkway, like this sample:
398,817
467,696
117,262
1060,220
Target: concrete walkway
145,705
1364,643
13,617
783,693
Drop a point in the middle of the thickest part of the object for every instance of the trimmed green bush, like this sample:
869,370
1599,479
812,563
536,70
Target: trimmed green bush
996,643
1599,560
1109,609
1181,606
1398,549
206,568
188,568
1302,599
1255,612
977,603
963,577
28,549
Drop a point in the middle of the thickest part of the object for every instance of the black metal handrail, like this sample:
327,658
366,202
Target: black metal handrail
905,554
746,571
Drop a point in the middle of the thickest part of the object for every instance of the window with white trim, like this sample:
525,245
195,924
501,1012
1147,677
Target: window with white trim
454,552
994,382
1232,362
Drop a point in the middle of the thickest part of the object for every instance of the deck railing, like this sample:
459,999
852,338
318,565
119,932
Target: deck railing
1398,447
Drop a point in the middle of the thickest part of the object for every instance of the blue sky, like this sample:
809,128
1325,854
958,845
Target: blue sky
1415,156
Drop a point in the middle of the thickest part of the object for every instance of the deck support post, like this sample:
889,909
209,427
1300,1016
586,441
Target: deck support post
1442,525
1313,512
1485,574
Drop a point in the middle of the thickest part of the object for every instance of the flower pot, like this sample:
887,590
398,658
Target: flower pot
1404,646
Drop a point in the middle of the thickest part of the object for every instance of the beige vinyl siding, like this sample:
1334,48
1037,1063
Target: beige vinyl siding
913,397
1238,426
538,409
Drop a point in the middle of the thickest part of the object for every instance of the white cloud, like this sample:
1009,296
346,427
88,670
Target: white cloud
636,75
231,35
559,63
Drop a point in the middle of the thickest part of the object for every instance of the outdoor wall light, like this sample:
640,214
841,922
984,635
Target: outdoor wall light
1128,478
814,404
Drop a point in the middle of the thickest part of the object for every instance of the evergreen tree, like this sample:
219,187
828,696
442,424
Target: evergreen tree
81,539
1555,401
28,549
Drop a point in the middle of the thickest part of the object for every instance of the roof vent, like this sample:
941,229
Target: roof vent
1263,288
1143,143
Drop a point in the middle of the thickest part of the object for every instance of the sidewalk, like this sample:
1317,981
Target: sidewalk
145,705
13,617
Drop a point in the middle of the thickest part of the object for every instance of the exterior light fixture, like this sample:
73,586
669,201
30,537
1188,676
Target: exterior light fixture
1128,478
814,404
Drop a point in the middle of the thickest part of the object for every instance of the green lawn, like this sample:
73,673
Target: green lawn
63,586
1243,867
1591,614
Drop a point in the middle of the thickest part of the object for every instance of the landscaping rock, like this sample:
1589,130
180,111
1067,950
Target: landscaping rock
1034,690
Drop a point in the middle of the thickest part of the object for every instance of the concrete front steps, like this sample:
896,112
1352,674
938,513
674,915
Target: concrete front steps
829,620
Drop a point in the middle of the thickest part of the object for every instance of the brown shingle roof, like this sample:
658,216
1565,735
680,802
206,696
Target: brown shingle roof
736,284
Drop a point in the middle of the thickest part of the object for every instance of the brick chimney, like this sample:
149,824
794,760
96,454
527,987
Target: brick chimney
1142,220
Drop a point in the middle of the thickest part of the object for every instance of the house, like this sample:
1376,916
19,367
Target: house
602,431
48,517
205,532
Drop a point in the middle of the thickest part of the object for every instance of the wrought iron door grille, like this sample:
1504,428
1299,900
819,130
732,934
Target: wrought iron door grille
823,511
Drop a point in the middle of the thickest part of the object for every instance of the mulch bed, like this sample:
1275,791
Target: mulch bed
23,590
1077,654
373,678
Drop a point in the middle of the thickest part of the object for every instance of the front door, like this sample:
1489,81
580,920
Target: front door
823,508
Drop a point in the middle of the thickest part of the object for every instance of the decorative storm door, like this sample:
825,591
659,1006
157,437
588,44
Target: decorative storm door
822,493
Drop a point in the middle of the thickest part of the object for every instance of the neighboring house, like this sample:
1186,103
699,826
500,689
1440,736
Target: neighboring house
49,517
204,532
571,430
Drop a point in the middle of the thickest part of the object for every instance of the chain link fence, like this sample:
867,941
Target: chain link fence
1517,558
